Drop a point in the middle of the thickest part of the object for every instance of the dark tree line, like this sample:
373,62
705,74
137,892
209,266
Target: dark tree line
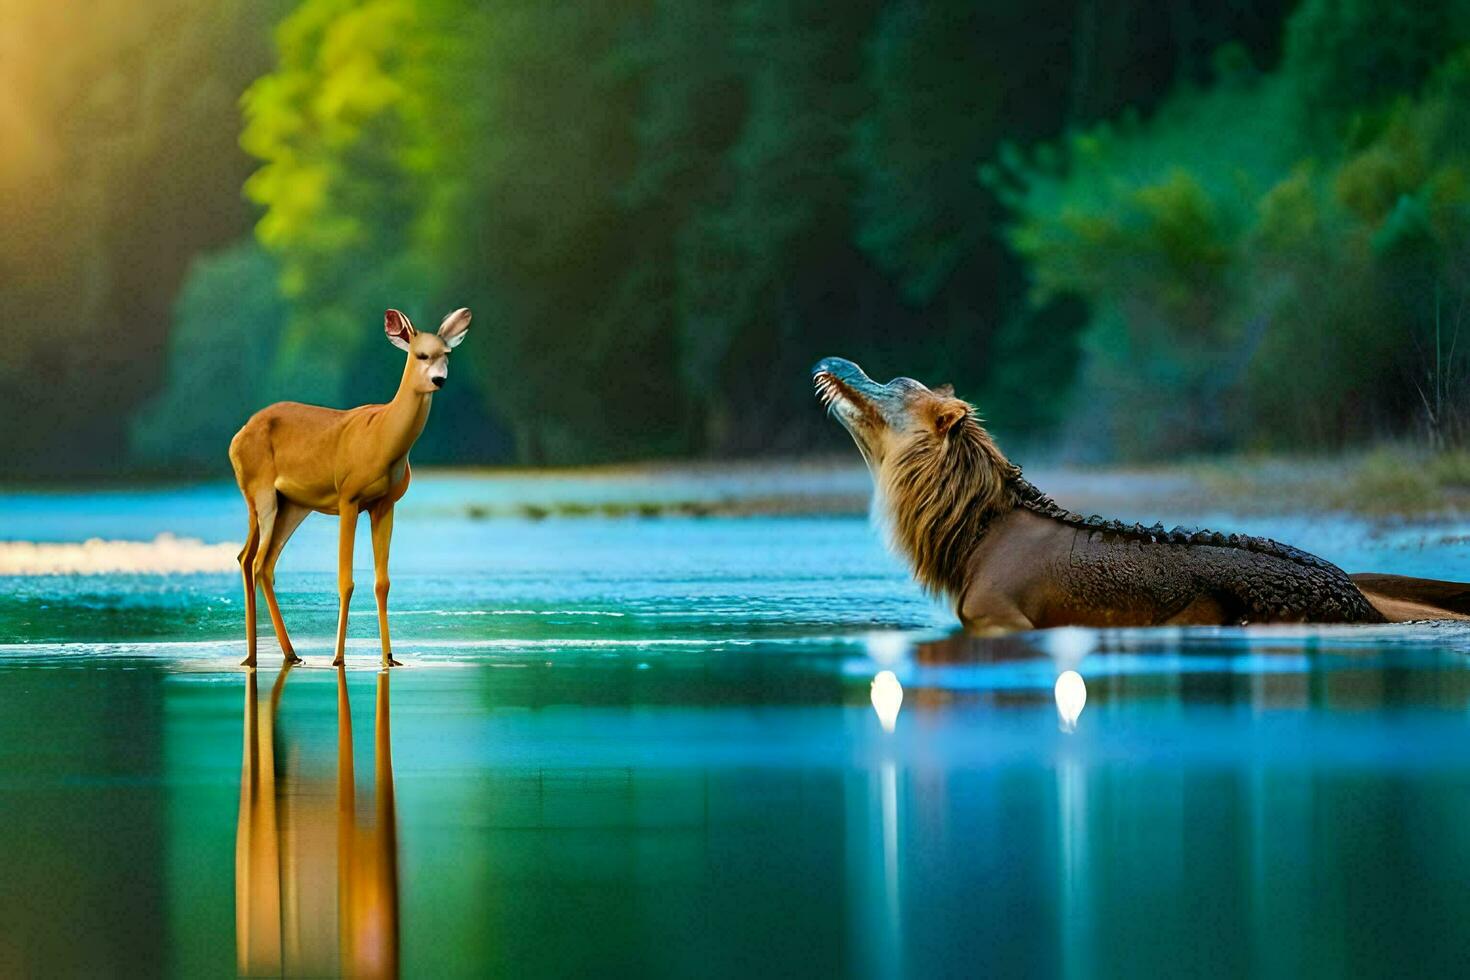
662,211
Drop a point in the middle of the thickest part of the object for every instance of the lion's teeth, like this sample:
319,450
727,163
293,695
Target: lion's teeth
827,390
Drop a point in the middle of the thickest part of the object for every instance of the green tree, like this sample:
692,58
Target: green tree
531,217
226,327
1253,282
770,277
1349,57
955,84
338,131
950,80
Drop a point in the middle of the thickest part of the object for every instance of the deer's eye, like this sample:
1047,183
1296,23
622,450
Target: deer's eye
422,357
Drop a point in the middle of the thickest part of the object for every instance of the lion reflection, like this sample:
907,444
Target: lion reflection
295,915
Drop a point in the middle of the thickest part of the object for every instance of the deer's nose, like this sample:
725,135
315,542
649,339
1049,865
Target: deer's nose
438,381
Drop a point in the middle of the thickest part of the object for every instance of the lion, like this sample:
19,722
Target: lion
1009,558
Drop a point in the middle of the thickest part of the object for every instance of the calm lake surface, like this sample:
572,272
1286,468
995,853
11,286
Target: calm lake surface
656,746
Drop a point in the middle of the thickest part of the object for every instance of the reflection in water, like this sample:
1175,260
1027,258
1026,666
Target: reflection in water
887,695
1189,828
1069,644
879,917
1072,823
285,908
1072,829
1071,695
887,647
892,912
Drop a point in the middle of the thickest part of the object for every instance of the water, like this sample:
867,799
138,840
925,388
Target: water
656,746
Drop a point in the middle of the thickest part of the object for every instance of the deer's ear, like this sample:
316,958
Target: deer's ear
452,330
948,415
399,330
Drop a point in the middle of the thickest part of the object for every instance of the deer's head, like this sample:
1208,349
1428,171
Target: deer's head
428,353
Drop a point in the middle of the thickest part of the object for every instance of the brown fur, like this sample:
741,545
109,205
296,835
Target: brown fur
940,494
292,459
1009,558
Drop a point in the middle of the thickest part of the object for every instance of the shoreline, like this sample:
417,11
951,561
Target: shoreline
1386,484
1383,485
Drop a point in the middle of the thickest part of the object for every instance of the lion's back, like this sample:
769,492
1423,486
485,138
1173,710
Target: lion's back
1152,581
1264,587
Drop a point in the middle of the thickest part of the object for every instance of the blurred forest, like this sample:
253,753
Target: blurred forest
1127,230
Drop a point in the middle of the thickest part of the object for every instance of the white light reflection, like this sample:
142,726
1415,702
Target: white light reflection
1069,644
1076,899
890,857
888,648
1071,695
887,694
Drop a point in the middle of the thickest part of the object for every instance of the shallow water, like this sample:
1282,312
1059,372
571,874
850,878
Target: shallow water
651,746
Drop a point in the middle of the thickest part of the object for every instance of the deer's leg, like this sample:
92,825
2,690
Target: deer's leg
382,518
247,573
265,516
346,532
266,506
288,518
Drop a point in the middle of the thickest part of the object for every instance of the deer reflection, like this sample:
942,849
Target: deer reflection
290,920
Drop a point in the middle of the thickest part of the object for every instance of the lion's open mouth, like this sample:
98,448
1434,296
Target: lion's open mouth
836,395
829,390
844,401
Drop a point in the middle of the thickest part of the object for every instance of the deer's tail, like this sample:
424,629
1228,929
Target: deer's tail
1401,598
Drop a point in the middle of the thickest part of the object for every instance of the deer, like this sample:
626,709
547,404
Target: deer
292,459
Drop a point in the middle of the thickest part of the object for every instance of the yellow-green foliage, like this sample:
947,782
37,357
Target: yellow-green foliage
334,127
316,113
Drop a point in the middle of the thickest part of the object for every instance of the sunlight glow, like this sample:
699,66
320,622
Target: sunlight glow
1071,695
887,698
